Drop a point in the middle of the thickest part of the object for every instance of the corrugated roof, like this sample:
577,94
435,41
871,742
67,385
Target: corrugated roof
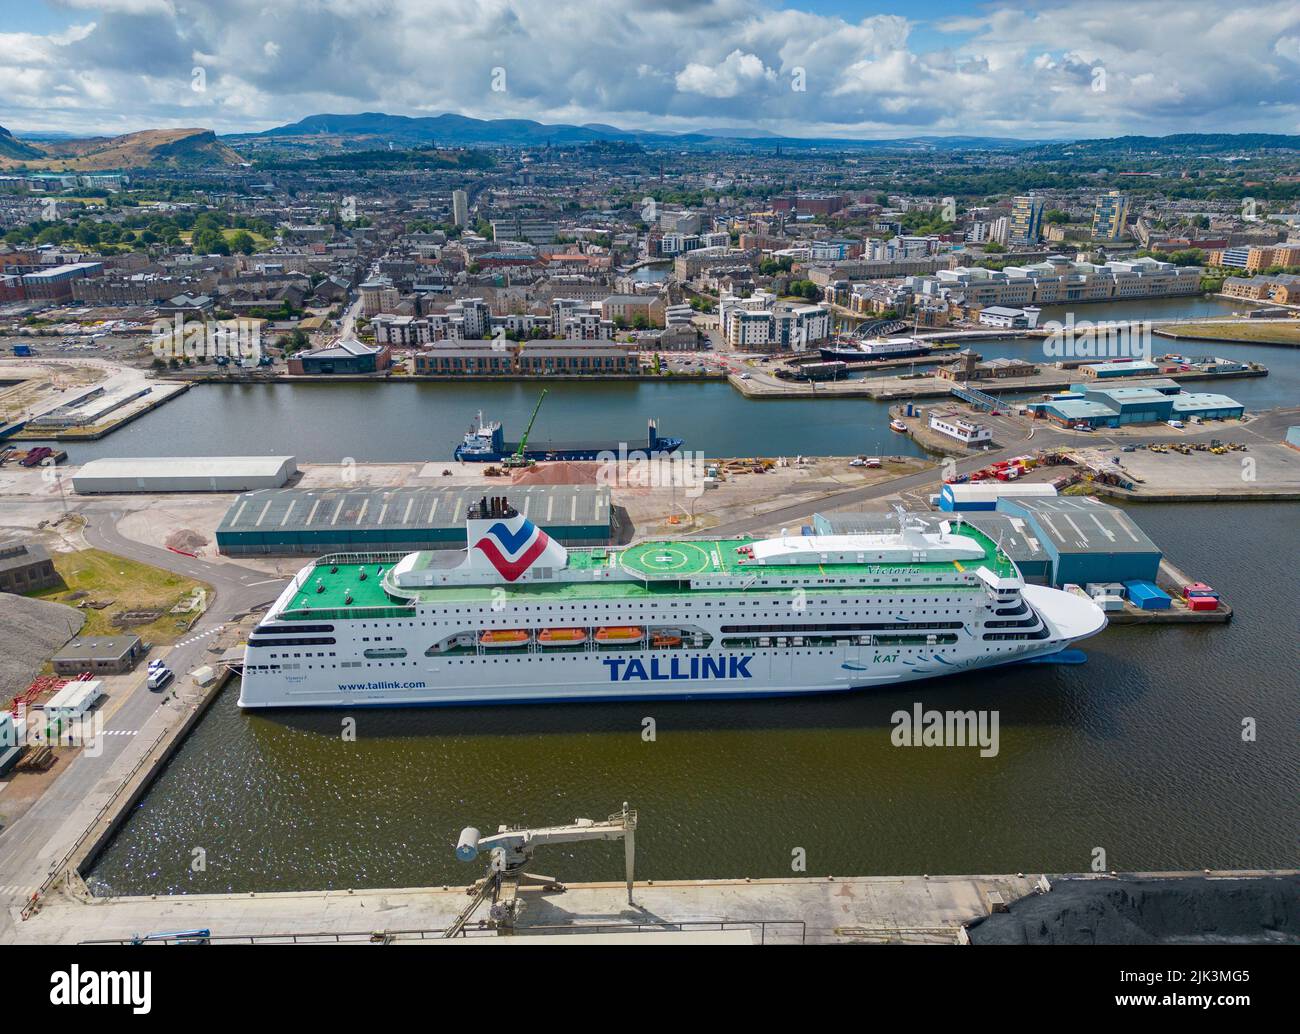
1078,524
295,509
183,466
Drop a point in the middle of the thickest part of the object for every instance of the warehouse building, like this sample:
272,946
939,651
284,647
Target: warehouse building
1085,539
313,522
1149,403
183,474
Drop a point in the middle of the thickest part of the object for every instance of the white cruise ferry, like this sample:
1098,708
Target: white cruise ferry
516,617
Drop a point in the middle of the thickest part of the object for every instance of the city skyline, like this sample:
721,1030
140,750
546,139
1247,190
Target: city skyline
812,68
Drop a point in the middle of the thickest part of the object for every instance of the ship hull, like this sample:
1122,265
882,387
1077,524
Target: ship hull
708,642
568,451
595,686
854,355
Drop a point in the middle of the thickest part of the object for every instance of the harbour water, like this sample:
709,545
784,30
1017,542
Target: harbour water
1139,753
324,423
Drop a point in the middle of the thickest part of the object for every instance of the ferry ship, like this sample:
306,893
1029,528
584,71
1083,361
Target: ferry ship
518,618
876,348
485,443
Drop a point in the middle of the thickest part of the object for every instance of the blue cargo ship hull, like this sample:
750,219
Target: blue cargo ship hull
568,452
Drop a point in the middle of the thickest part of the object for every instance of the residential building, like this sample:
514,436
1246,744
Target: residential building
628,307
1110,216
518,227
378,295
1255,257
1026,222
55,285
760,323
535,357
460,208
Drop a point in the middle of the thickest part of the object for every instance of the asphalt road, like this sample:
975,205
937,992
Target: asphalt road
34,843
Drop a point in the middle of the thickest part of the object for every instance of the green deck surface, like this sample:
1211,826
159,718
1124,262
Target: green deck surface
663,566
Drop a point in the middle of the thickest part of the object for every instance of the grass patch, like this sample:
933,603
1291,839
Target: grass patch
229,233
131,586
1276,333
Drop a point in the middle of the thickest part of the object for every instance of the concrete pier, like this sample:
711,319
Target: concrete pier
807,910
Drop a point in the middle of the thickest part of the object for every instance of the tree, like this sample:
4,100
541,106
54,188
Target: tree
296,341
242,242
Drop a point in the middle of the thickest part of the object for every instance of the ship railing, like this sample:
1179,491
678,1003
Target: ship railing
359,558
342,613
770,931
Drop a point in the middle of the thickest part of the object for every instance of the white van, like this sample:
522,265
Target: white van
159,677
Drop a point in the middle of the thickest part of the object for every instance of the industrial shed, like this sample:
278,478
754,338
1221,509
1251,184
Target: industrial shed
1087,540
313,522
183,474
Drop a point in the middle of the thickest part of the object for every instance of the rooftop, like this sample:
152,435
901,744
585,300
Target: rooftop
283,510
186,466
21,554
1079,524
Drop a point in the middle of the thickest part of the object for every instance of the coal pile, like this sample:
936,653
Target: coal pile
31,631
1177,910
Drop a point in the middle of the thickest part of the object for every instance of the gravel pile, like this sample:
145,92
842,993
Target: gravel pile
1188,910
30,632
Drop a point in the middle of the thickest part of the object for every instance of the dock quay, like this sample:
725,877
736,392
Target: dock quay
163,392
810,910
927,386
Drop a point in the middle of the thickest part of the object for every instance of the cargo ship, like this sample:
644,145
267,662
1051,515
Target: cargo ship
516,617
858,351
485,443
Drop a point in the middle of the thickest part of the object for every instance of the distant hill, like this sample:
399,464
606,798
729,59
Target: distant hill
447,130
150,147
11,147
1185,143
370,129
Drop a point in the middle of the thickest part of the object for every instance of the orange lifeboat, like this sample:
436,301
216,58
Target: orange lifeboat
504,637
661,640
562,636
618,634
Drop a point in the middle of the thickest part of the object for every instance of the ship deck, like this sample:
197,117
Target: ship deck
659,568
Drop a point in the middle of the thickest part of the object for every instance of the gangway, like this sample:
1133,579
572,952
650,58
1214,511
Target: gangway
511,849
978,399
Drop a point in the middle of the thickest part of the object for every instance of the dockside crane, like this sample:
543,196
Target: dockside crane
511,850
517,458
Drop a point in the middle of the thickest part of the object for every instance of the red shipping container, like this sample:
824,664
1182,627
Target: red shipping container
1202,603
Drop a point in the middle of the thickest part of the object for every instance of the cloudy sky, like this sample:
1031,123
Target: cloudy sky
836,68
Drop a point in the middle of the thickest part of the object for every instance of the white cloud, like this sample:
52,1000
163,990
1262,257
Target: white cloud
738,73
1171,65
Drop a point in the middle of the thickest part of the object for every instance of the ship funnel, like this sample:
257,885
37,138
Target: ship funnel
503,542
